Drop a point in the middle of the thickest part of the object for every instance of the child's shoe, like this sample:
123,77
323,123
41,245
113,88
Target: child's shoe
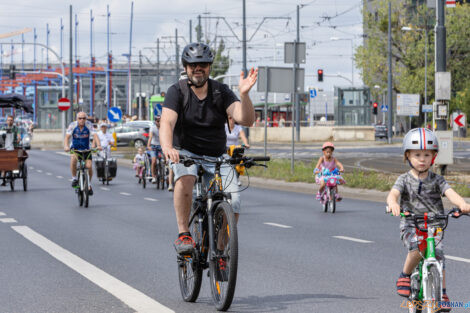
404,285
318,197
445,304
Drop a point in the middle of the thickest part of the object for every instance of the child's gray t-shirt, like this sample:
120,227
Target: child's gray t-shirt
421,196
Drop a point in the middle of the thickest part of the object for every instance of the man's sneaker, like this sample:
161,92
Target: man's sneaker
445,304
404,286
184,245
75,183
90,191
221,272
154,180
170,188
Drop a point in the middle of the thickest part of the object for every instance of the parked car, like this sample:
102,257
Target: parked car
131,134
381,131
25,137
144,124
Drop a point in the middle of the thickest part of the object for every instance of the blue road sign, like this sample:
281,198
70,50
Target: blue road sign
114,114
157,110
313,93
384,108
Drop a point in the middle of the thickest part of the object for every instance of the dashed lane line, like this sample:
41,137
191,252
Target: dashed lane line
39,171
352,239
456,258
8,220
150,199
48,174
59,177
104,188
130,296
277,225
31,167
2,214
125,193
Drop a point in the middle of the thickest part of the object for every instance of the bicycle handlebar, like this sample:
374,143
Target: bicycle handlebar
429,217
244,161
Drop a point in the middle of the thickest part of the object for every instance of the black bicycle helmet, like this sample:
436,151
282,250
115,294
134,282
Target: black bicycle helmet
197,52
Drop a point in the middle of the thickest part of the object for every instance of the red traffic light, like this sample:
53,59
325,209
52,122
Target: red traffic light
375,104
320,75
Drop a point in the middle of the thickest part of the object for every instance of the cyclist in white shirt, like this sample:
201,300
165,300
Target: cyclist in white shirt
106,139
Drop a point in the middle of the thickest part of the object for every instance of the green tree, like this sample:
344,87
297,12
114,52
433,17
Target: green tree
408,48
221,62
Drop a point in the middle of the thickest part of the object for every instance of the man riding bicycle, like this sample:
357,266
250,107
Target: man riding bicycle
153,146
80,132
193,123
106,139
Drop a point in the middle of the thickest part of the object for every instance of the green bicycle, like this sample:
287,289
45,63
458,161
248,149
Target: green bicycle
426,279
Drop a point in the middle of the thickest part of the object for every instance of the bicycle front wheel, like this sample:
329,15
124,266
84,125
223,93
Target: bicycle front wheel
433,288
80,189
332,201
86,191
223,268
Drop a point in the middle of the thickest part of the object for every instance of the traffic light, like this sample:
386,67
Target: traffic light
320,75
12,72
375,108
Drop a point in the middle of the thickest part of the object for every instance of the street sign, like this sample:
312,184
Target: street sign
450,3
458,121
408,104
157,110
384,108
280,79
313,93
426,108
289,52
63,104
114,114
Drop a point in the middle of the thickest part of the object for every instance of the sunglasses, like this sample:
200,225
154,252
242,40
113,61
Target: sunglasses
200,64
81,118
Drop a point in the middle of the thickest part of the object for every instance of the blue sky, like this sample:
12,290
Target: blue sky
320,21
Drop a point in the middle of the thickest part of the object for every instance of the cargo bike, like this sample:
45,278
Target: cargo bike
13,161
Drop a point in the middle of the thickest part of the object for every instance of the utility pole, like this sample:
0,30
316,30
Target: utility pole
390,98
70,111
158,66
108,57
296,66
22,52
140,84
440,54
61,39
92,64
244,69
129,79
47,44
199,30
177,74
190,31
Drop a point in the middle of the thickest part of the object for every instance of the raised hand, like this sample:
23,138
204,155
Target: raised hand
247,83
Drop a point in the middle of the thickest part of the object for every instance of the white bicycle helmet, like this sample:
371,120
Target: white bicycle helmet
420,139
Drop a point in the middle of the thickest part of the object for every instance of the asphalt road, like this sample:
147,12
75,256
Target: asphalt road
117,255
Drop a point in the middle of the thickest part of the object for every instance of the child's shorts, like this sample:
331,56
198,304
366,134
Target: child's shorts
411,241
136,165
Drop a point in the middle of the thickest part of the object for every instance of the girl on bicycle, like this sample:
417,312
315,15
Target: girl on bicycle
138,161
330,163
420,191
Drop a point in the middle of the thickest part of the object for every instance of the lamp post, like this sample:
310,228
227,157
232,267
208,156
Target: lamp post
406,28
352,54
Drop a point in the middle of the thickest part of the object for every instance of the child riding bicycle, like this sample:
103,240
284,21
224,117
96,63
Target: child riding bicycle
420,191
327,165
139,160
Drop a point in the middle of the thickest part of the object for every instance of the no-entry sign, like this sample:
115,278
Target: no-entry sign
64,104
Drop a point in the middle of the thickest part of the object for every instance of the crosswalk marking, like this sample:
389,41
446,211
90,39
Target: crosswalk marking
7,220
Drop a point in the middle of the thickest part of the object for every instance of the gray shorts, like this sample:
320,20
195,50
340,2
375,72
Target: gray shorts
229,177
411,241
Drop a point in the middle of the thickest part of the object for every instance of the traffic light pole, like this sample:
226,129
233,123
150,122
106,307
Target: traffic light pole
390,98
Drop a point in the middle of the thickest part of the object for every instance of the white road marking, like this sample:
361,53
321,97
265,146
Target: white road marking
456,258
31,167
2,214
150,199
277,225
63,153
60,177
130,296
352,239
104,188
8,220
125,193
39,171
70,179
48,174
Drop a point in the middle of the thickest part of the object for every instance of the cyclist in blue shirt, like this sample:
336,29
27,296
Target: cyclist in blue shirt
80,133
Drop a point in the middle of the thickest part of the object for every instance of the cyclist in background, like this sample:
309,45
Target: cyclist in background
234,132
420,191
106,139
153,146
80,132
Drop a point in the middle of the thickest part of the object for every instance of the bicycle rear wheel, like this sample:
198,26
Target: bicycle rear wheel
144,177
86,191
80,189
223,269
332,201
189,267
433,290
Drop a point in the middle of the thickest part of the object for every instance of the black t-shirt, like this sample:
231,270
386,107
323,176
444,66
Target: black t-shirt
200,129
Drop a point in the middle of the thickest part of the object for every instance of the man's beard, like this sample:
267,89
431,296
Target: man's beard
198,81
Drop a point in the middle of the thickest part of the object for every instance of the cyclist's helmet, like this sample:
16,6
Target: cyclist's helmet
420,139
328,145
197,52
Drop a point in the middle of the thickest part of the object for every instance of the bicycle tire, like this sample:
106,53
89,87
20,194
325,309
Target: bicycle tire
434,290
80,190
144,177
332,201
223,282
190,288
12,183
324,199
86,191
162,174
157,174
415,288
25,177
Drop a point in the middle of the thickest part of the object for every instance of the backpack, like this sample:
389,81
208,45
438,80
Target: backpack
215,96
